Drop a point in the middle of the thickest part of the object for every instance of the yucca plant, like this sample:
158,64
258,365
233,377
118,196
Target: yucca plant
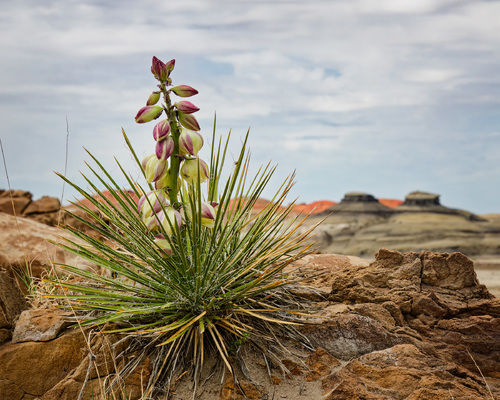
189,266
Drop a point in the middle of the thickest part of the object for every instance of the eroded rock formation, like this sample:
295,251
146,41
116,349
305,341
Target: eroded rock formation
414,326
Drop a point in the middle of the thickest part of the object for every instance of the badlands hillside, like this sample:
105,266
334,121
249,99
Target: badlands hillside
358,225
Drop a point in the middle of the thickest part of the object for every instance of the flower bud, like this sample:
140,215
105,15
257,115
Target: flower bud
144,162
164,182
165,148
148,113
161,130
186,107
153,99
151,203
160,70
155,169
166,219
208,215
163,244
169,65
192,168
190,142
188,121
184,91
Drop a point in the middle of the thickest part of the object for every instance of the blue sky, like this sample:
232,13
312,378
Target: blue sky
386,96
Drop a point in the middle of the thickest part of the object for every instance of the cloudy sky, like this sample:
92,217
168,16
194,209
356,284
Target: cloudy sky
385,97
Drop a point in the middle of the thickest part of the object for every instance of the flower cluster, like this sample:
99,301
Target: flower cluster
178,142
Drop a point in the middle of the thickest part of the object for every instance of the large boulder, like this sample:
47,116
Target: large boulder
400,308
46,210
77,362
25,247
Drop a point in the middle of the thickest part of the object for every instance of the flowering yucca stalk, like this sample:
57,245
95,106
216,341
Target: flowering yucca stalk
189,268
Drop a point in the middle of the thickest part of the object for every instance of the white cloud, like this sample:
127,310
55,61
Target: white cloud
282,68
431,75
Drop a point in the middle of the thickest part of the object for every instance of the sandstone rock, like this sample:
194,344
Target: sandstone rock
14,201
5,335
455,271
51,219
35,367
243,390
411,326
350,335
395,276
39,326
320,364
24,242
12,302
318,270
402,372
63,367
44,205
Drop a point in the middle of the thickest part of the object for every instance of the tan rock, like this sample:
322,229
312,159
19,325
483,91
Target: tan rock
318,270
402,372
12,301
350,335
42,206
449,271
243,390
39,326
5,335
35,367
14,202
63,367
24,242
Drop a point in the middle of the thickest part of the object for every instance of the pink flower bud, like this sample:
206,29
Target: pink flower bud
190,142
148,113
184,91
155,169
161,130
186,107
169,65
208,215
153,99
165,148
191,168
160,70
188,121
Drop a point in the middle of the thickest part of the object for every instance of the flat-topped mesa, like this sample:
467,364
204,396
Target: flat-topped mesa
429,202
358,197
360,202
421,199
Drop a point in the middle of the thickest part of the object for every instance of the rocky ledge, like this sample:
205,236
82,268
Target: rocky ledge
414,326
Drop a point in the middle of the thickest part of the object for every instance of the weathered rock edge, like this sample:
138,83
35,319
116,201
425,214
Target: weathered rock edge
411,326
